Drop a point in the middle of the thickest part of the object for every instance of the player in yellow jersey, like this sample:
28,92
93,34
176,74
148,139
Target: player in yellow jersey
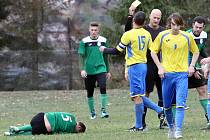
152,77
135,42
174,46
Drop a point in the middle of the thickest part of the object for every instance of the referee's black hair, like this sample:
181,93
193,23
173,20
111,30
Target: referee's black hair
139,18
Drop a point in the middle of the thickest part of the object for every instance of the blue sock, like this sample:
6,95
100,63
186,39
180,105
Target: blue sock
179,118
149,104
208,108
139,109
169,118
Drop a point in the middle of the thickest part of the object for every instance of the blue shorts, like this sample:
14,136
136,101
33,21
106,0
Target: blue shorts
209,84
175,89
137,74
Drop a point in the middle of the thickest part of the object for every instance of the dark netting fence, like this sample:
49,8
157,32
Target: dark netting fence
49,70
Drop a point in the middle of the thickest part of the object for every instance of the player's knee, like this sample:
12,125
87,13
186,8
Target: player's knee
202,90
90,92
137,99
147,94
103,90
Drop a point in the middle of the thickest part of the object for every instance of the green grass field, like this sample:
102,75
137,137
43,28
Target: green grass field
19,107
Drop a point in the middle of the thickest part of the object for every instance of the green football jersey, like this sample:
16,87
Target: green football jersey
94,61
61,122
200,41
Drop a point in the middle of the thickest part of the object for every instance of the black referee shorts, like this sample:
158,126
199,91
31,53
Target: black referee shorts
152,78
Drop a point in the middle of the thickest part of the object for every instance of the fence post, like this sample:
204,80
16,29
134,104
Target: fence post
70,54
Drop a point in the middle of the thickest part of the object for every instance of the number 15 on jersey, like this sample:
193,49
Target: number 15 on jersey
141,42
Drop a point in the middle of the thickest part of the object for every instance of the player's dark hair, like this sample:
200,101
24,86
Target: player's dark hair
139,18
82,127
199,19
177,18
94,23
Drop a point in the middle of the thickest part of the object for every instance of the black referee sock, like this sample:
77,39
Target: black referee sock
144,116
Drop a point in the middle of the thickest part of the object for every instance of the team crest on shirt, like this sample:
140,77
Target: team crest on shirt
98,43
175,46
201,41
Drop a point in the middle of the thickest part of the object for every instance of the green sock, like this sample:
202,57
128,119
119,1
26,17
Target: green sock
103,100
174,112
22,133
204,103
25,128
91,104
21,130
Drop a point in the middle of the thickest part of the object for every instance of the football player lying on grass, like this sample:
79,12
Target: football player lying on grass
48,123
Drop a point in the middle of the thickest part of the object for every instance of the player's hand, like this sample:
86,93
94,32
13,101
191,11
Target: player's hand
205,61
197,75
132,10
191,70
83,74
108,76
161,71
101,49
205,70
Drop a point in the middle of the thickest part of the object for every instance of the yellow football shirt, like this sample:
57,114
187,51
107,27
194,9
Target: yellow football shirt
174,50
136,42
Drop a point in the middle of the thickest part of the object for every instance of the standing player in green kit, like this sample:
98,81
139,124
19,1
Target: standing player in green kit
94,67
197,80
49,123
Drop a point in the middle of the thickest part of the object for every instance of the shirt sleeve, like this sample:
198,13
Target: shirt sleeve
193,45
81,52
124,41
81,49
106,58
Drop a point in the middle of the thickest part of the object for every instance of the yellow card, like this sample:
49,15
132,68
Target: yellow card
136,3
